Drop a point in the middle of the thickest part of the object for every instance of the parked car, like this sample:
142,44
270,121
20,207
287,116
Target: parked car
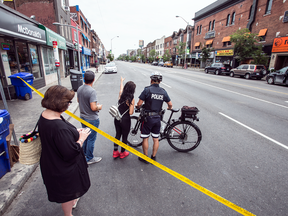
155,63
218,68
249,71
161,64
168,64
110,68
278,77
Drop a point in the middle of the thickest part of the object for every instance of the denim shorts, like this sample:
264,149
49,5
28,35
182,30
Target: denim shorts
152,125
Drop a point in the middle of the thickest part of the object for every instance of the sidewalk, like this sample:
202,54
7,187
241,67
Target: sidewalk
24,115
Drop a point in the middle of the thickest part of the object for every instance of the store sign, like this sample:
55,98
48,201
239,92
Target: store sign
52,36
224,52
86,51
16,26
5,46
280,44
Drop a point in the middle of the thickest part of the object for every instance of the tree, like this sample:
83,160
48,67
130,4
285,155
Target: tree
245,44
205,54
143,59
151,59
127,58
259,57
166,56
110,57
181,50
152,54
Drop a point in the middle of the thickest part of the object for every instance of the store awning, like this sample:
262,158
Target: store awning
197,44
53,36
262,32
226,39
209,42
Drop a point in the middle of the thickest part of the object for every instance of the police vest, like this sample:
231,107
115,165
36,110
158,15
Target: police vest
154,99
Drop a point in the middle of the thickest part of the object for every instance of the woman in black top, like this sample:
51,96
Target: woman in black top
63,164
126,104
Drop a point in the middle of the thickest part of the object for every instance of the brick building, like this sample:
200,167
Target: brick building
216,22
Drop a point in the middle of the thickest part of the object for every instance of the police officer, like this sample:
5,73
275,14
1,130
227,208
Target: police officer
153,97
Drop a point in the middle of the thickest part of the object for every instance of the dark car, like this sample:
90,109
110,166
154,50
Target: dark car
278,77
155,63
218,68
161,64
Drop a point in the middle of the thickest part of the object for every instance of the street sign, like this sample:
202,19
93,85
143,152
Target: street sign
56,54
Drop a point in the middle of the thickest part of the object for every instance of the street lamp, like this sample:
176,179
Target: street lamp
186,40
111,43
78,44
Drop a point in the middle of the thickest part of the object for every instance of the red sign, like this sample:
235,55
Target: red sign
56,55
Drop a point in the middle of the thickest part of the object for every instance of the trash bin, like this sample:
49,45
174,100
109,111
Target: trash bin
22,90
4,153
76,79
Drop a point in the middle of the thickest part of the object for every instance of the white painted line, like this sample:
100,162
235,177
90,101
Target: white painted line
244,95
166,85
257,132
286,101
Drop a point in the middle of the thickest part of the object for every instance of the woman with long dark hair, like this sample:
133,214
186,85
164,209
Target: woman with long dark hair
126,104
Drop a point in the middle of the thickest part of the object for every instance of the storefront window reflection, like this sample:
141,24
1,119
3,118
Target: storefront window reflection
35,61
49,64
9,47
23,57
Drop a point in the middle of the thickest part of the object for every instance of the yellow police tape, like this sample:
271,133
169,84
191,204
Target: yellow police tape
155,163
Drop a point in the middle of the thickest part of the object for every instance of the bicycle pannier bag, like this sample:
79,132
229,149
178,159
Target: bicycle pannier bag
188,112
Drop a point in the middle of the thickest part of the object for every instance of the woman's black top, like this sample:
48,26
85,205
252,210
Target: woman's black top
63,164
123,107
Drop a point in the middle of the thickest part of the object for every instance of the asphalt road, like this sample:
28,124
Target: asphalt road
242,156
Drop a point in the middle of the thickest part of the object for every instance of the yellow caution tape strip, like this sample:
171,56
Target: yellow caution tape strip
155,163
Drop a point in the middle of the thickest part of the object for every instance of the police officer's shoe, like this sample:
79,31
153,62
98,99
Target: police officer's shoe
153,158
142,160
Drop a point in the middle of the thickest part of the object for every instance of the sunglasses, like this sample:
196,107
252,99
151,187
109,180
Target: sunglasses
69,102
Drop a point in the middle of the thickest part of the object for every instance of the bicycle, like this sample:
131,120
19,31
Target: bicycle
182,134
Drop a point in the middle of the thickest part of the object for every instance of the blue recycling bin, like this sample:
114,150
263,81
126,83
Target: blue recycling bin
4,153
22,90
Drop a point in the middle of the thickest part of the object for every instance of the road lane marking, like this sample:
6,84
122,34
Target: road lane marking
155,163
243,95
166,85
257,132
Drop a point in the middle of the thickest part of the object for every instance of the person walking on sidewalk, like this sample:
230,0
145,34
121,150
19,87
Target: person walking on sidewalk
153,97
89,112
126,104
63,164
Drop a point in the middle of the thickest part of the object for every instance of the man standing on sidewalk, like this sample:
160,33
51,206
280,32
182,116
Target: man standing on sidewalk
89,110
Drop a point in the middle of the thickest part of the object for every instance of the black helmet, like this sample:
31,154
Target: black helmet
156,76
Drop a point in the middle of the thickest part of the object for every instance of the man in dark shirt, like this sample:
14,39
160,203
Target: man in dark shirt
153,97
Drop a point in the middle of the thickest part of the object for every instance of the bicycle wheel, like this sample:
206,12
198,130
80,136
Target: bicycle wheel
134,138
184,136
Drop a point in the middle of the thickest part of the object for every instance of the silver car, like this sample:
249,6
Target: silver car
110,68
249,71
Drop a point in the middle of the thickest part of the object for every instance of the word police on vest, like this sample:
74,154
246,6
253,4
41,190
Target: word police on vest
157,97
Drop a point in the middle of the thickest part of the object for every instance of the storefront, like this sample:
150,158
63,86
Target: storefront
225,56
50,70
279,57
86,53
20,44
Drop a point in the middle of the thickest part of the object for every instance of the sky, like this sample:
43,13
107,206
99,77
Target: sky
134,20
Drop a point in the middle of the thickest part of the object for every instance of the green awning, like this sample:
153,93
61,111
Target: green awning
52,36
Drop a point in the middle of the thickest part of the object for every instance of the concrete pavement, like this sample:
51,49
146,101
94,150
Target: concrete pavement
24,115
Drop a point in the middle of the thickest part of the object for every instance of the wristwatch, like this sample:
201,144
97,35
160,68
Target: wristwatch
81,141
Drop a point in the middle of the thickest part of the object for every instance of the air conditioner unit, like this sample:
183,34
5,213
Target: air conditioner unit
67,8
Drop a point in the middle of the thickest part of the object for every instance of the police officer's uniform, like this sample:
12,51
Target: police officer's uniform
153,96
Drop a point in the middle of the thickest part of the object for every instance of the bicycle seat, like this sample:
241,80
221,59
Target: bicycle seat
174,110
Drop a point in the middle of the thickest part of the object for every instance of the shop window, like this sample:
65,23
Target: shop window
228,20
233,19
269,6
23,57
9,48
49,64
35,61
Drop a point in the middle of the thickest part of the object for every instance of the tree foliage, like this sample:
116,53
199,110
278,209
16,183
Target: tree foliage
152,54
245,44
110,57
166,56
205,54
181,49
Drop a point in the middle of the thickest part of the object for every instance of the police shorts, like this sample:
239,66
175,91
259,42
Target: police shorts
152,125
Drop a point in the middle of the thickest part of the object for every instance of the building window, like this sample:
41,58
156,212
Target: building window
213,25
197,30
228,20
225,44
209,26
197,47
250,13
269,6
49,65
233,19
200,29
63,2
262,38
